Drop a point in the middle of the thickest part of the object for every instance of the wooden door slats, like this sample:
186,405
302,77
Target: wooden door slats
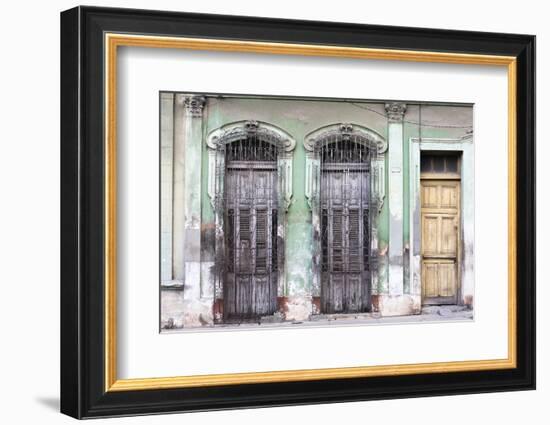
345,241
440,218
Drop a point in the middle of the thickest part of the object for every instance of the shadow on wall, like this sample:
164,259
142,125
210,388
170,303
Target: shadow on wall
49,402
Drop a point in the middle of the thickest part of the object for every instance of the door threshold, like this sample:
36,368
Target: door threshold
343,316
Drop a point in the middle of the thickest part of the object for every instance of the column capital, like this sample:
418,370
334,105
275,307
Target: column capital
395,112
194,105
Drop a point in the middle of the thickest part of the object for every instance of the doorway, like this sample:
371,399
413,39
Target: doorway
250,215
345,226
440,221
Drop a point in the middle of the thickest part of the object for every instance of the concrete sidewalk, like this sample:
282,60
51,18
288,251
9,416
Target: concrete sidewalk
433,314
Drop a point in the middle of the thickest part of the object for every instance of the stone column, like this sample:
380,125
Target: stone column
192,135
188,116
395,113
187,188
178,201
166,178
182,305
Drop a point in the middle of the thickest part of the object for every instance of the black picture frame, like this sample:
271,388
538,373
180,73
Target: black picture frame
83,392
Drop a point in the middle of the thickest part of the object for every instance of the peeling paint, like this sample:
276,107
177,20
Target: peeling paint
201,301
298,308
406,270
399,305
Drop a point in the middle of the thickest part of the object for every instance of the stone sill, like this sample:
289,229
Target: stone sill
172,285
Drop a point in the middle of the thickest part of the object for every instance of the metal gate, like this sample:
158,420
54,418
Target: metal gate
345,225
250,214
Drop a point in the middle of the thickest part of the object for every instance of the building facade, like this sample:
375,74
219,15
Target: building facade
283,209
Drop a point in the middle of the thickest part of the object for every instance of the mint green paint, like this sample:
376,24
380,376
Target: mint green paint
207,210
434,119
297,118
383,235
383,265
299,233
301,117
211,112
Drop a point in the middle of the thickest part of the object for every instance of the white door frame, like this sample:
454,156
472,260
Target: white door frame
466,237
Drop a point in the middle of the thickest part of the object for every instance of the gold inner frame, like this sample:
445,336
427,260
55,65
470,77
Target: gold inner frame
113,41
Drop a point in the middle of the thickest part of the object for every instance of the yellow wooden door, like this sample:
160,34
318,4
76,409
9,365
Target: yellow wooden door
440,242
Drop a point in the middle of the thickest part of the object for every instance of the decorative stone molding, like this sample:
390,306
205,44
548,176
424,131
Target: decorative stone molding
219,138
469,136
395,111
379,181
251,127
194,105
314,140
346,130
235,131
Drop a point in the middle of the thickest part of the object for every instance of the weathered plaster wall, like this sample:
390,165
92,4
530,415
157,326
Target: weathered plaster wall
443,121
298,118
166,183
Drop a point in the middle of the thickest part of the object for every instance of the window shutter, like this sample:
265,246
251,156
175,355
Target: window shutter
244,241
231,240
244,225
366,240
324,239
274,225
261,241
337,239
353,240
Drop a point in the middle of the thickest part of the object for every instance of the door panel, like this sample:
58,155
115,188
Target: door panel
447,240
430,278
439,278
448,196
430,225
250,278
430,196
447,277
440,229
345,241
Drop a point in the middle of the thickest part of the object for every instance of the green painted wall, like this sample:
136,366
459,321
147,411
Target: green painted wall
445,122
300,117
437,121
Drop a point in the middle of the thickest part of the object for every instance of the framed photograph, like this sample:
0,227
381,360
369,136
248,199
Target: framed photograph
261,212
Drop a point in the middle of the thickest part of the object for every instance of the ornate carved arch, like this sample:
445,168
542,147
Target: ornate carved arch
237,130
217,141
362,134
330,133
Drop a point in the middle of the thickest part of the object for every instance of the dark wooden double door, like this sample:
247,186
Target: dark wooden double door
345,241
251,217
